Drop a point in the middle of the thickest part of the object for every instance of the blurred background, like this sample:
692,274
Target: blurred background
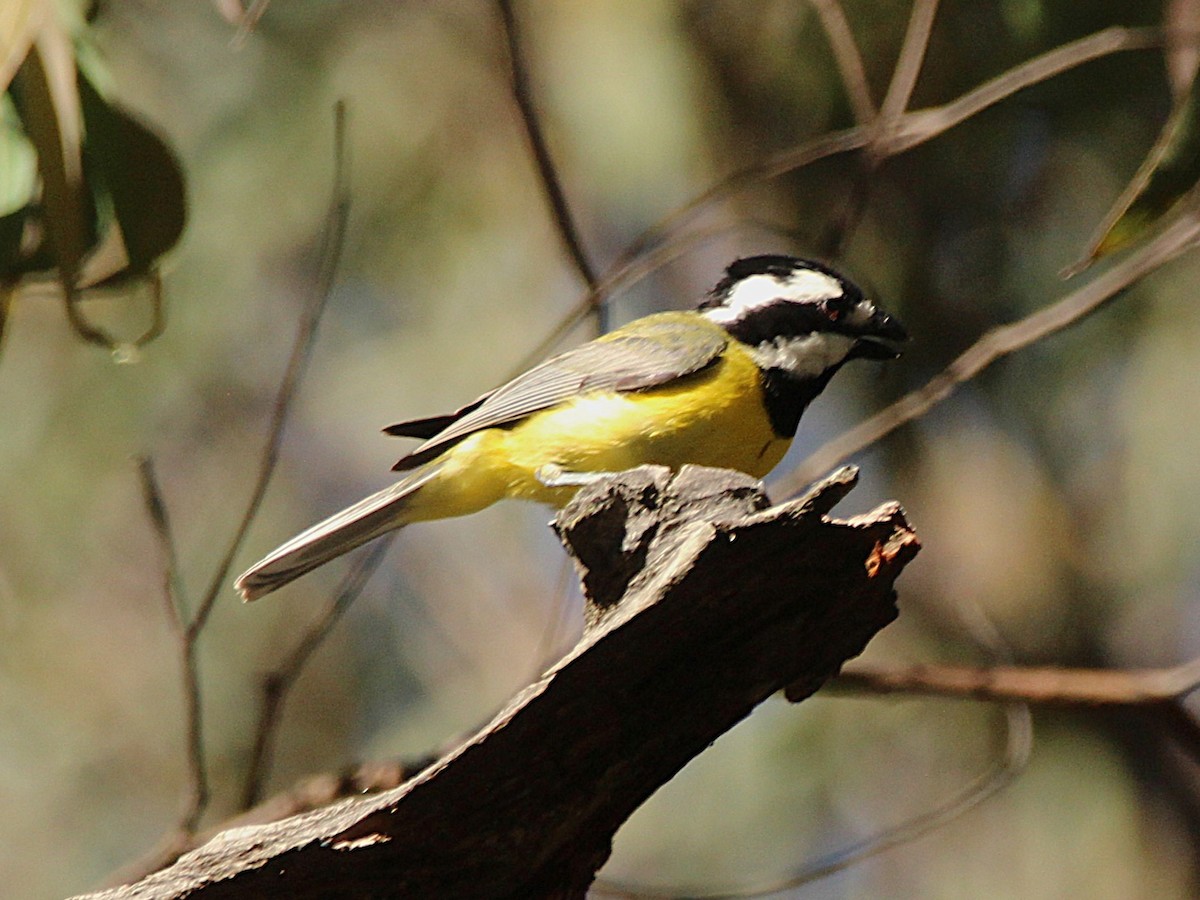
1056,495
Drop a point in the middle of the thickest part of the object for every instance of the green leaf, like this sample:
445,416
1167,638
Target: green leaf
18,191
1170,170
19,23
18,162
134,172
49,110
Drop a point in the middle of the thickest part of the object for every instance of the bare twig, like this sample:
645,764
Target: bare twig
1042,685
854,83
198,793
912,129
191,629
187,630
615,280
278,683
330,253
920,125
849,60
568,231
1019,742
1179,236
908,65
1158,152
247,21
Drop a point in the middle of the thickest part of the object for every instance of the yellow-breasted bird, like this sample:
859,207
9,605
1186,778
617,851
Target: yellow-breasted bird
723,385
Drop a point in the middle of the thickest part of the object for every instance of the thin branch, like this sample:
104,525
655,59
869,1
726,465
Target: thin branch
900,88
188,631
198,793
919,126
854,83
1180,235
278,683
849,60
615,280
908,65
1042,685
568,231
247,21
912,129
1018,746
332,241
156,510
1137,185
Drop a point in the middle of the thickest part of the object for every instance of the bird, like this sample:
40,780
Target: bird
722,385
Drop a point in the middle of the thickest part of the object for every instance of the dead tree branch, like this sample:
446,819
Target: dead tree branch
702,603
1033,684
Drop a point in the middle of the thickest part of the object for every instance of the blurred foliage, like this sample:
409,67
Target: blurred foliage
1170,171
89,196
1171,168
1056,495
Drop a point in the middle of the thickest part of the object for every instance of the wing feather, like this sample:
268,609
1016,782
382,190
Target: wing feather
657,350
428,427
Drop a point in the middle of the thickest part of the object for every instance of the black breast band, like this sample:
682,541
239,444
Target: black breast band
786,396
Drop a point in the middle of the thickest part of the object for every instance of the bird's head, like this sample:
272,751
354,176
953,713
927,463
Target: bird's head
800,316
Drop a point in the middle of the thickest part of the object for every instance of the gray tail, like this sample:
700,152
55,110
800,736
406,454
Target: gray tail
340,533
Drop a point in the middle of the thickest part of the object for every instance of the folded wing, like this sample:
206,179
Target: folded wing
658,350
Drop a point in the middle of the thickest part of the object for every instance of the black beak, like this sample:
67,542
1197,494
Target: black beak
879,336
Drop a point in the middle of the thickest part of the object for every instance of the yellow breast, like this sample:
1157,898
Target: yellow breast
713,418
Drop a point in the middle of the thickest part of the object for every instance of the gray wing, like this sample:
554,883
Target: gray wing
649,354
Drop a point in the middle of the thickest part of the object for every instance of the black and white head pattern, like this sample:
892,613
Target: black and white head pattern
799,316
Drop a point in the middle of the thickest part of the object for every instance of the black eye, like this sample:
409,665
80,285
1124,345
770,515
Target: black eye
837,307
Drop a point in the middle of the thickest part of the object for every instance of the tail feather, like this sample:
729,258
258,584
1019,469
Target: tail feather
340,533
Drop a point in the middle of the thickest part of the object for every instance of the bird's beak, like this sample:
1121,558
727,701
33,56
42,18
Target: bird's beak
879,336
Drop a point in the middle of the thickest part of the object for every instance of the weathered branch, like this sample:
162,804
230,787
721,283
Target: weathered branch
702,603
1049,685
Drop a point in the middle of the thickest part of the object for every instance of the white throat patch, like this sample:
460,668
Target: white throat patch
804,286
804,357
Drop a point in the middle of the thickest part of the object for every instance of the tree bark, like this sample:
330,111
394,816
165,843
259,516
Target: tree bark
702,602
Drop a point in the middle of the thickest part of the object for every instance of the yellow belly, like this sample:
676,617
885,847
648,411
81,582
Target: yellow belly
714,418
